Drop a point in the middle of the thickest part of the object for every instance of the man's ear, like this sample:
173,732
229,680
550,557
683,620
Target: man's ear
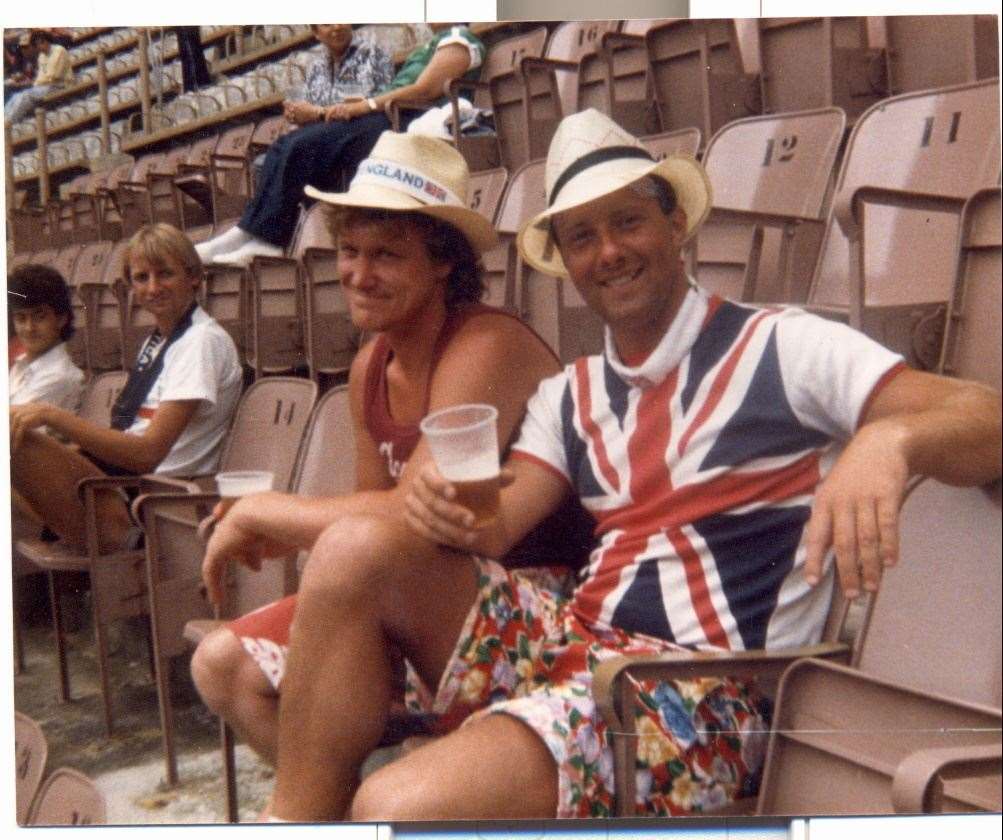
678,221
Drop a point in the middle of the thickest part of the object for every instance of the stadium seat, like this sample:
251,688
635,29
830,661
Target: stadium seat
817,63
922,682
888,261
302,439
529,100
931,51
615,80
698,75
88,273
770,177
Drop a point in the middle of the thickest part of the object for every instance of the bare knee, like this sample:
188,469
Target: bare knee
355,558
385,797
220,670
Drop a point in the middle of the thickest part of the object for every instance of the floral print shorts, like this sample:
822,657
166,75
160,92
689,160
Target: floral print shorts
523,652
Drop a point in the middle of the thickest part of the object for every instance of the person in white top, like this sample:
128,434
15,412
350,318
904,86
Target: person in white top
40,316
170,418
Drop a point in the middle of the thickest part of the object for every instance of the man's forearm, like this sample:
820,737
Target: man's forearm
298,521
959,441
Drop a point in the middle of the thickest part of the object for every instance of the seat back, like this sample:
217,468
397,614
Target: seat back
505,55
30,753
507,94
614,80
819,62
931,51
944,142
683,141
972,346
231,176
780,165
89,268
914,636
331,338
100,395
698,76
68,797
572,41
325,467
275,409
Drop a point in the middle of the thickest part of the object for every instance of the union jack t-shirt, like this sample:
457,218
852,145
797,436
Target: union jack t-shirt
700,466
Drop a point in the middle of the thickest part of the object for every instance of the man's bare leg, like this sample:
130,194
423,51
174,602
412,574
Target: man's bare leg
494,768
369,584
46,473
234,687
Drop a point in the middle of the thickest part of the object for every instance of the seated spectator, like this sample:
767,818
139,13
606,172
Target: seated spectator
408,260
54,71
40,315
324,153
170,418
723,449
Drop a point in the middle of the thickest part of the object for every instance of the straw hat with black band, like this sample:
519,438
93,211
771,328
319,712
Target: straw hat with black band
591,156
410,172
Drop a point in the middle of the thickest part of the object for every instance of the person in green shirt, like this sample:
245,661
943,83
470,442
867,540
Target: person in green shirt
325,153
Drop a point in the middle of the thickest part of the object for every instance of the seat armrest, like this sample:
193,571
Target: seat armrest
914,783
755,217
394,108
147,504
674,665
152,481
530,63
849,212
612,40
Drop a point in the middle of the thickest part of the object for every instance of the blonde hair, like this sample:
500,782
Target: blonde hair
161,243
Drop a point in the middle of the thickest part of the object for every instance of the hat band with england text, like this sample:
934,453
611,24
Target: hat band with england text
388,173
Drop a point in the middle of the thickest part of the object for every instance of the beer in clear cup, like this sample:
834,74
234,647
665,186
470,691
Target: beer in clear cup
464,444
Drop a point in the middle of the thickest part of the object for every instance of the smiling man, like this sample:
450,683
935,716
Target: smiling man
724,451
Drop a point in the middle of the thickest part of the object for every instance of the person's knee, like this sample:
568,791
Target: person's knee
356,557
385,797
216,666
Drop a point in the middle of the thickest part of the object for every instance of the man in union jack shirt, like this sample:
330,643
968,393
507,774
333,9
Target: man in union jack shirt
723,450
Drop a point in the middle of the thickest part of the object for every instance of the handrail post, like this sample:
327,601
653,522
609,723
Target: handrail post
103,104
42,141
144,76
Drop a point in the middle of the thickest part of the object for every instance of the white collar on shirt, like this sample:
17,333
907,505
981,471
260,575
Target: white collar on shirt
53,358
678,340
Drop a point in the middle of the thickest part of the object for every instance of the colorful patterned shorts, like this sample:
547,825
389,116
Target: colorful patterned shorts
523,652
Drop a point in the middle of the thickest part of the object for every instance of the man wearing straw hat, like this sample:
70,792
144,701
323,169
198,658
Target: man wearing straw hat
409,263
724,450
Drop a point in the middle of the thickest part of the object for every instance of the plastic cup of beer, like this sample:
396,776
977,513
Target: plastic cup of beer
233,485
464,444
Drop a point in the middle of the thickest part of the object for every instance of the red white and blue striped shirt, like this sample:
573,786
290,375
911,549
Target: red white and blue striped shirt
700,466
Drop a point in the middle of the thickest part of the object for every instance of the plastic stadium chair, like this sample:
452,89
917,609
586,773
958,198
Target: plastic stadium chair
925,689
770,178
888,261
324,465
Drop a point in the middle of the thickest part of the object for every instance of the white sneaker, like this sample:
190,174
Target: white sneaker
245,253
225,243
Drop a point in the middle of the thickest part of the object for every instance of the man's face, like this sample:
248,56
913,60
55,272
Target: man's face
623,255
38,329
387,274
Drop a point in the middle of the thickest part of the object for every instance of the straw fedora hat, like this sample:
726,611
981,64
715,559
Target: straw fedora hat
410,172
591,156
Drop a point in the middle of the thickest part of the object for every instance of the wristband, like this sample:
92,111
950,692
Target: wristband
372,104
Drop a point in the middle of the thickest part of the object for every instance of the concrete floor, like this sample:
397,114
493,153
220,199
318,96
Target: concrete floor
129,766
